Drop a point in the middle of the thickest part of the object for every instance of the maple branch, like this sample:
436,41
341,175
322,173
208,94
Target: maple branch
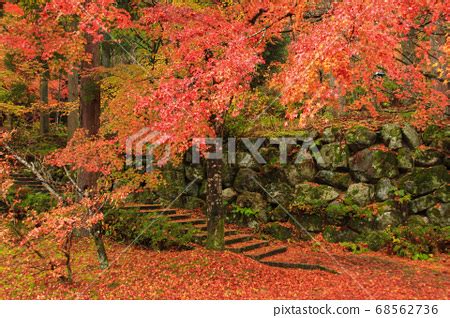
33,169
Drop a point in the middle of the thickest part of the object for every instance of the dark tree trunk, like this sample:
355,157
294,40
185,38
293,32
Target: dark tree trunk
90,121
43,94
215,210
73,120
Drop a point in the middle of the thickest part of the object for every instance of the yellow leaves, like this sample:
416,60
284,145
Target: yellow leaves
12,109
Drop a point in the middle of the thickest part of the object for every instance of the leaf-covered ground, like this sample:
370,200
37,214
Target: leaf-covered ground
199,274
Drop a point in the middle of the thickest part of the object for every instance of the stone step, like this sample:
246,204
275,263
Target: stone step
190,221
203,235
174,216
247,246
266,251
142,206
237,238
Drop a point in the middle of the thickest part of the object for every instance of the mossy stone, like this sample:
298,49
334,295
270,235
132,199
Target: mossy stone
374,164
334,156
392,135
360,137
315,196
340,180
422,181
278,231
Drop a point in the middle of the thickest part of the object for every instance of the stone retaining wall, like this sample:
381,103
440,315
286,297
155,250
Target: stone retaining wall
366,180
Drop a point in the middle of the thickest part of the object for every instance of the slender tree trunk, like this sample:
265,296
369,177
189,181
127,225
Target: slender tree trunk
73,120
43,92
214,209
90,121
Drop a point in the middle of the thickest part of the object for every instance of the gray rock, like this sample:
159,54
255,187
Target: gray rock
443,194
300,172
440,214
278,231
422,203
280,193
384,189
411,136
340,180
247,180
360,193
360,137
388,217
329,135
246,160
392,136
405,159
229,194
335,234
427,158
374,164
310,223
424,180
316,196
278,215
228,174
334,155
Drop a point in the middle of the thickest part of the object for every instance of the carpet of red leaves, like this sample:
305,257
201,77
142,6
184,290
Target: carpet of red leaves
139,273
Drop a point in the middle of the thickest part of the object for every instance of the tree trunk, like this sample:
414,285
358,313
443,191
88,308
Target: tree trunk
214,209
43,93
73,120
90,121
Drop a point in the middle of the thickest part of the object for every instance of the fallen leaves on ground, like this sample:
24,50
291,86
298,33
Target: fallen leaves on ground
139,273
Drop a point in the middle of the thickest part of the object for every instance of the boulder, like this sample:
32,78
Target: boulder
405,159
392,136
424,180
359,193
247,180
334,156
279,193
443,194
329,135
314,195
229,194
384,189
340,180
254,201
246,160
374,164
412,138
422,203
335,234
297,173
439,214
278,231
309,222
427,157
360,137
278,215
388,216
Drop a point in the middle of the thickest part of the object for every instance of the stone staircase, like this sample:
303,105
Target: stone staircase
24,180
235,241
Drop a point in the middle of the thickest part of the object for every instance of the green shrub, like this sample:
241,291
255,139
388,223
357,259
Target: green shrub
355,248
147,229
376,240
418,241
37,201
